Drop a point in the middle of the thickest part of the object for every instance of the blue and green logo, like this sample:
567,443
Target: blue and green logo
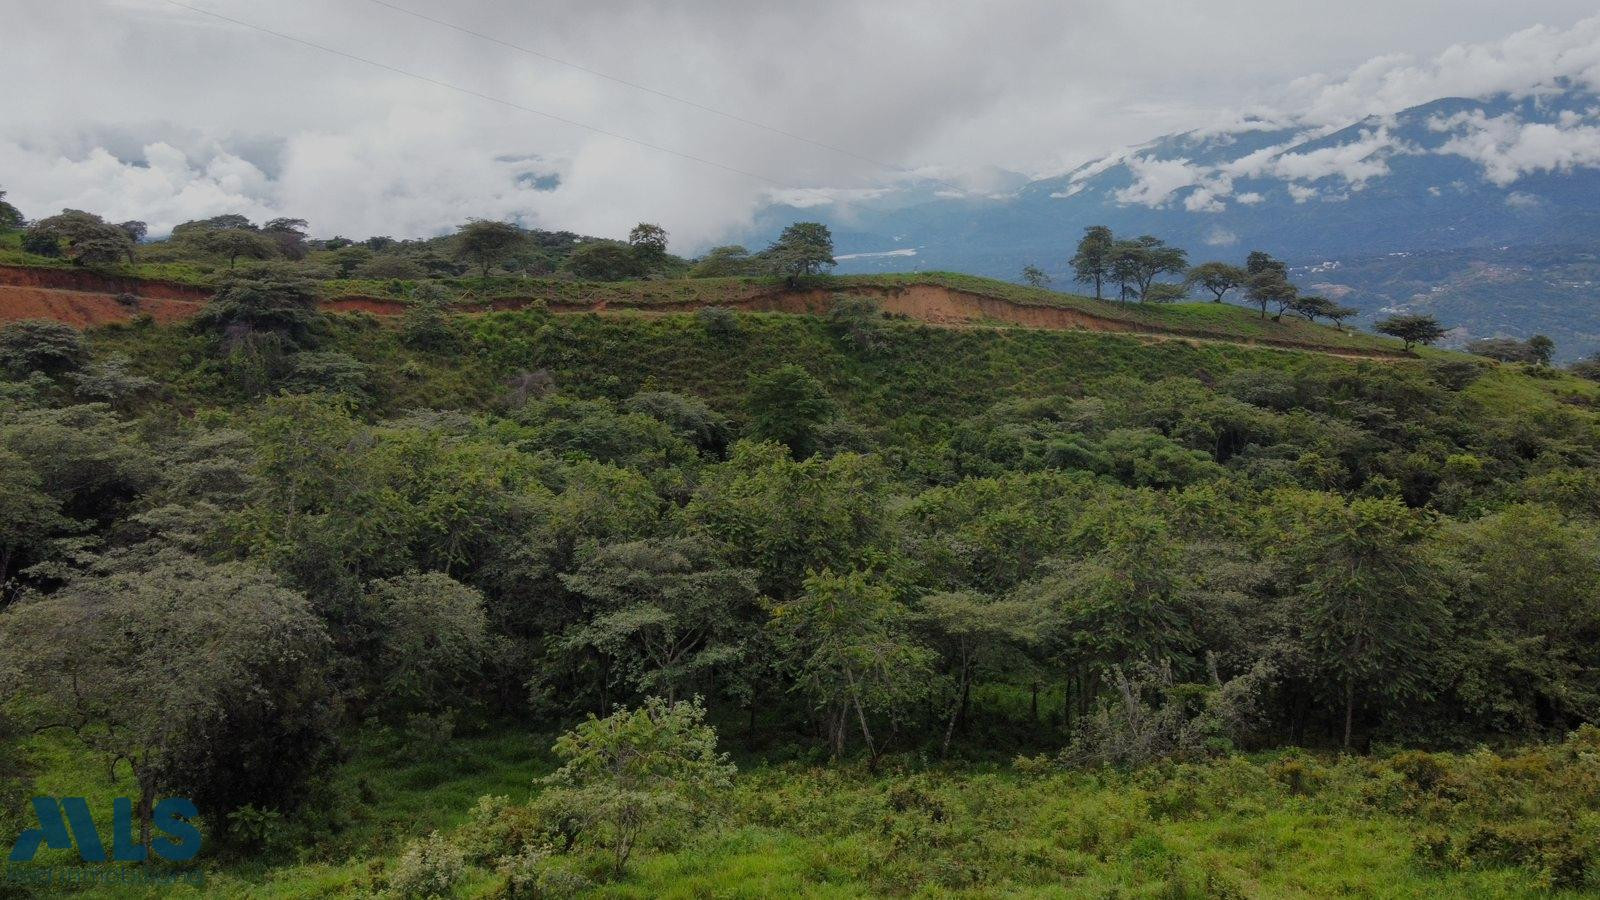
65,821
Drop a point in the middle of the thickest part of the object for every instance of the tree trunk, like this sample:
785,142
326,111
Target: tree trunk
958,713
1033,704
1349,710
964,714
861,718
146,811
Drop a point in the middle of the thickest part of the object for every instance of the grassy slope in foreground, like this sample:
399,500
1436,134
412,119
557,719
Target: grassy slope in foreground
1284,824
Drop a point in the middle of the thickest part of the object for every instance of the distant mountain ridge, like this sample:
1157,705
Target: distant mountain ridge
1500,196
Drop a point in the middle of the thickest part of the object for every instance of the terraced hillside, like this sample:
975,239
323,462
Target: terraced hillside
87,299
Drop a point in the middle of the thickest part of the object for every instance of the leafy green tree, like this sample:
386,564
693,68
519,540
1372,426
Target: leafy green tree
1091,264
226,221
1151,258
88,239
855,653
1271,286
1311,306
1542,348
690,417
289,236
649,243
111,380
1412,329
1368,602
28,515
973,631
349,260
188,658
41,345
1262,263
605,261
858,320
1124,268
803,249
639,771
135,230
1527,586
41,243
426,323
1035,277
598,429
666,612
87,458
432,642
1503,349
269,299
1219,278
486,244
1338,313
231,244
785,518
725,261
10,217
1120,602
787,405
987,536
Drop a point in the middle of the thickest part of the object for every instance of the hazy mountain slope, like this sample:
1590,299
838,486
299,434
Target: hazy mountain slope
1500,196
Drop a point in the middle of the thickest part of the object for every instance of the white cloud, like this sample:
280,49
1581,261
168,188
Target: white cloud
1301,193
805,198
165,187
1354,162
1528,62
1509,148
1220,237
1156,180
1521,200
1250,198
169,115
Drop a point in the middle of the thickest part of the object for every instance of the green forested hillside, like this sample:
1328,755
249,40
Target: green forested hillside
751,604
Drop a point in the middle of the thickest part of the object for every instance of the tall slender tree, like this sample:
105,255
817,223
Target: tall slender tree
1091,264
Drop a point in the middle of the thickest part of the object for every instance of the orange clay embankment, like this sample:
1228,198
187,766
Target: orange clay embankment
85,299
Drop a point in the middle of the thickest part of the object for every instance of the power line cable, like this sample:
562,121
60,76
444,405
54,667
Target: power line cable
735,117
482,96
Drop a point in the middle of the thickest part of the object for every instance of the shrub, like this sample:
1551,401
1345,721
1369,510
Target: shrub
1154,717
254,828
498,828
430,867
858,321
718,321
532,872
39,345
640,769
331,371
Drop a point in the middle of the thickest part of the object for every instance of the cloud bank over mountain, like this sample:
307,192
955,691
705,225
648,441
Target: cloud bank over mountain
135,119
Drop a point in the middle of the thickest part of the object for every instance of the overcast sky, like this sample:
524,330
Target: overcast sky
142,109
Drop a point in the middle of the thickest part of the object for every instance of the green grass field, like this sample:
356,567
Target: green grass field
1270,825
